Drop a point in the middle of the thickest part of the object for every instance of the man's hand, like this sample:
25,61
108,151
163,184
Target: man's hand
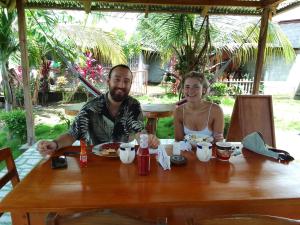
46,147
153,141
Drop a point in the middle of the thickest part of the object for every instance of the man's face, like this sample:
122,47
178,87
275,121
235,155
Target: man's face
119,83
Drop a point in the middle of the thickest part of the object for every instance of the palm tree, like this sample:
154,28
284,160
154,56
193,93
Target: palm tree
194,40
8,45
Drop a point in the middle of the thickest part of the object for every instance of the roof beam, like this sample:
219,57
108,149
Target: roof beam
87,6
270,3
189,2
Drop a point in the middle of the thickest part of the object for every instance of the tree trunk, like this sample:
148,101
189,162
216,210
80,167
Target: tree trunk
6,88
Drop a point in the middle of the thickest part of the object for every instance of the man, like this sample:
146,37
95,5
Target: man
114,116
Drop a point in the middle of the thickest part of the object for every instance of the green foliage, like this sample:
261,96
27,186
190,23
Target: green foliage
228,101
214,99
227,119
219,89
234,90
165,128
15,121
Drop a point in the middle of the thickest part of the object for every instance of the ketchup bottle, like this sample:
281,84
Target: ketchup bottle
143,156
83,153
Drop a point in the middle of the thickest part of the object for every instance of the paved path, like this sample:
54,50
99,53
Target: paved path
25,162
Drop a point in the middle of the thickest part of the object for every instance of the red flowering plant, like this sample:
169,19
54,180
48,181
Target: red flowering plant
91,71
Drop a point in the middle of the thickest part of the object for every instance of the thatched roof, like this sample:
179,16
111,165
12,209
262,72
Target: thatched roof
227,7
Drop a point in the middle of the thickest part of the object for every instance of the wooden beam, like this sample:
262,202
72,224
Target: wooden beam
87,6
188,2
205,11
3,3
261,49
269,3
25,72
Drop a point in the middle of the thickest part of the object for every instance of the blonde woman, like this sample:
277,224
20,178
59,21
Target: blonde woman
197,116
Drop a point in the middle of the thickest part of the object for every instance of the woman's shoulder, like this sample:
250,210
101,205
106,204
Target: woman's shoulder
215,107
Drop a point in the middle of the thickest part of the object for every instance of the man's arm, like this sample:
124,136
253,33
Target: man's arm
49,147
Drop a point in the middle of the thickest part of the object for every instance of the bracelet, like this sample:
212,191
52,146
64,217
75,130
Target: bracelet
55,141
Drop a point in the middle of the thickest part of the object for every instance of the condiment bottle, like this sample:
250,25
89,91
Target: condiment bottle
143,156
83,153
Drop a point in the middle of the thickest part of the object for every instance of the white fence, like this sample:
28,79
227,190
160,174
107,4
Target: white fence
139,82
245,85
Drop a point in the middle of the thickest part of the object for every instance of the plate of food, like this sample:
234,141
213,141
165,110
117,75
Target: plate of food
108,149
194,139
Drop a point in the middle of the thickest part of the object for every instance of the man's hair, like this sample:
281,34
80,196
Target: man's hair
116,66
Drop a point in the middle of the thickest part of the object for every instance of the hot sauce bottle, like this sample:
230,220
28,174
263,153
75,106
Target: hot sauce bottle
83,153
143,156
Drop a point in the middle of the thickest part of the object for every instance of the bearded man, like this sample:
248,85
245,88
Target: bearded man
113,116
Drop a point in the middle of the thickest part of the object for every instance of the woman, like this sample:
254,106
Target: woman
197,116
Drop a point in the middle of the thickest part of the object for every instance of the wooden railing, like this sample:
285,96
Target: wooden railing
245,85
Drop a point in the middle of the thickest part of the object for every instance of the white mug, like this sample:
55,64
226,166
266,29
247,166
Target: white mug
204,151
127,153
176,148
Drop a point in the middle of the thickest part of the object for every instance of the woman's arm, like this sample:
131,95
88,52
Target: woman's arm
218,123
178,124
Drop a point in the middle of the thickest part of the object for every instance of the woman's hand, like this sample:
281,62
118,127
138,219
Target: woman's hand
153,141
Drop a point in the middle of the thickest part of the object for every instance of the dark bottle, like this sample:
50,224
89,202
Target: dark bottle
83,153
143,156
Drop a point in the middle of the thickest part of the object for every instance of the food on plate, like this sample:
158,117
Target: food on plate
194,139
110,148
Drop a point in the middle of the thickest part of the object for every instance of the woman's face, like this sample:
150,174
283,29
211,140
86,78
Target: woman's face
192,89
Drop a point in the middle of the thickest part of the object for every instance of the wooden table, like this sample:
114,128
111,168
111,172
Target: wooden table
151,111
155,111
248,183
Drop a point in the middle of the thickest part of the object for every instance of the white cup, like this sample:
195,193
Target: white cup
176,148
126,153
204,151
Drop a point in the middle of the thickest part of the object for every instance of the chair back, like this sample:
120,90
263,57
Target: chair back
245,220
12,173
252,113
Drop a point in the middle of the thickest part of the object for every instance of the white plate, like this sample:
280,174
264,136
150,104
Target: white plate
102,149
194,139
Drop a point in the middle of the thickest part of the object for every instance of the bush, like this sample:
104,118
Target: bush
227,119
15,121
219,89
214,99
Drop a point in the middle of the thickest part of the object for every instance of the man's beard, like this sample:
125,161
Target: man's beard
117,96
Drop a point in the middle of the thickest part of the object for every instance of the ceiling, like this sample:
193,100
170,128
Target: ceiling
211,7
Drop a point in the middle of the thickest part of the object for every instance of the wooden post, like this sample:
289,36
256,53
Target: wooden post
261,49
25,72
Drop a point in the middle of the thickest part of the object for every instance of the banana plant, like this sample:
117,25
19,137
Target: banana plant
8,45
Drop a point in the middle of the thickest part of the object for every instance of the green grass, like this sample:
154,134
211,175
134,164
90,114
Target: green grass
165,128
41,131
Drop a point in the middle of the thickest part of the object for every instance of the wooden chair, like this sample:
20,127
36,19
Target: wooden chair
245,220
93,217
12,173
252,113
